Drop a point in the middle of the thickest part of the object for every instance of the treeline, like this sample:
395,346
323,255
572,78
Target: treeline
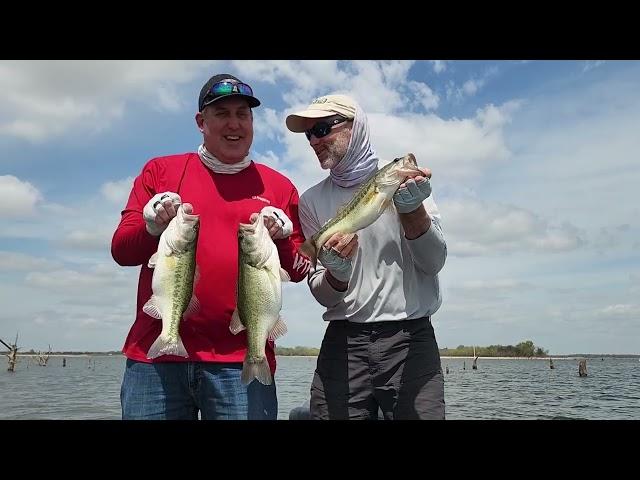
523,349
297,351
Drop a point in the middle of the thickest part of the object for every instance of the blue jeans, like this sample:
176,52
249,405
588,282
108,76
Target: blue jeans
178,391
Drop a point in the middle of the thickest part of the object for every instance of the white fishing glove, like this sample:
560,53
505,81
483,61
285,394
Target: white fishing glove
411,196
159,211
281,219
339,267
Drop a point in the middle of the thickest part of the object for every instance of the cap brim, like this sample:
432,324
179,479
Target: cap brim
253,101
296,121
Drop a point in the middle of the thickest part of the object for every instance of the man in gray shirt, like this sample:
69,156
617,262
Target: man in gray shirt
380,287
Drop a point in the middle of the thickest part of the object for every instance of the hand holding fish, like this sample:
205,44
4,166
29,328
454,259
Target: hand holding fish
368,203
159,211
258,297
337,253
413,191
174,276
276,221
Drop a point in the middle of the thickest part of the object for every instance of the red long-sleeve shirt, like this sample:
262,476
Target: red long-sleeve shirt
222,201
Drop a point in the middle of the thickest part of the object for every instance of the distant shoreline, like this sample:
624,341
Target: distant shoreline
448,357
521,358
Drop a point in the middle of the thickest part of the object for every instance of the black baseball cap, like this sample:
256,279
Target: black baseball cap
222,86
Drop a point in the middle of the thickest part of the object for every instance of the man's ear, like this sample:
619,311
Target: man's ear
200,121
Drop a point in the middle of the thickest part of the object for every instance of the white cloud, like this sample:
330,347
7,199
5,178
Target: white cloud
86,95
376,85
117,192
309,78
15,261
439,66
267,124
424,95
269,158
492,285
65,280
89,239
375,89
591,64
454,149
470,87
475,227
19,197
622,310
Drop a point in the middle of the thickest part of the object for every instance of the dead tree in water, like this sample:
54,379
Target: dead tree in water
474,366
43,358
582,368
13,353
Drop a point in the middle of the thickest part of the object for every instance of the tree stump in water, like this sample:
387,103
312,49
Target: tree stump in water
551,364
12,355
582,368
12,360
475,364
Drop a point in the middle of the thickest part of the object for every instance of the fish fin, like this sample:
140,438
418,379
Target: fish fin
236,325
153,260
308,249
164,345
259,370
152,308
386,206
284,275
279,329
193,307
196,276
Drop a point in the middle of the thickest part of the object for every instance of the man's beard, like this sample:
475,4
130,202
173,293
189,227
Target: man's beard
329,162
335,152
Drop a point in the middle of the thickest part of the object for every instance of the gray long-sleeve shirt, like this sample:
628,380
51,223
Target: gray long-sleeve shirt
393,278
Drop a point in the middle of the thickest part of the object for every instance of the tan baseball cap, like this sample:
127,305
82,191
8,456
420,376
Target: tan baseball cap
325,106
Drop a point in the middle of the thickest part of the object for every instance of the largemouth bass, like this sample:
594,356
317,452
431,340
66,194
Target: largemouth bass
174,275
259,297
367,204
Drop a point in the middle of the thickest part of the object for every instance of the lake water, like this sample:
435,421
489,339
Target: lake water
89,388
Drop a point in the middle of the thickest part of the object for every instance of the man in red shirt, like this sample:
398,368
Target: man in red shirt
225,188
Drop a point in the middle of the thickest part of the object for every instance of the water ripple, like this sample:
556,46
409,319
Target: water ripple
499,389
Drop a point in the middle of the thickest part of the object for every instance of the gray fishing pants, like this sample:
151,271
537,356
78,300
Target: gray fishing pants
392,366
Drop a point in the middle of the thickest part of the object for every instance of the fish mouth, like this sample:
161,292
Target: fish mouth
408,166
411,159
246,229
191,218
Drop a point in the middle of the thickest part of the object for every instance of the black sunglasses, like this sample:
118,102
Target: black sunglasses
323,128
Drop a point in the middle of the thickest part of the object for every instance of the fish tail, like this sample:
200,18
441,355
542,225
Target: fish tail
308,248
167,345
260,370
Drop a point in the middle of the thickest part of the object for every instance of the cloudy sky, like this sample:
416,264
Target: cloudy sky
535,171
